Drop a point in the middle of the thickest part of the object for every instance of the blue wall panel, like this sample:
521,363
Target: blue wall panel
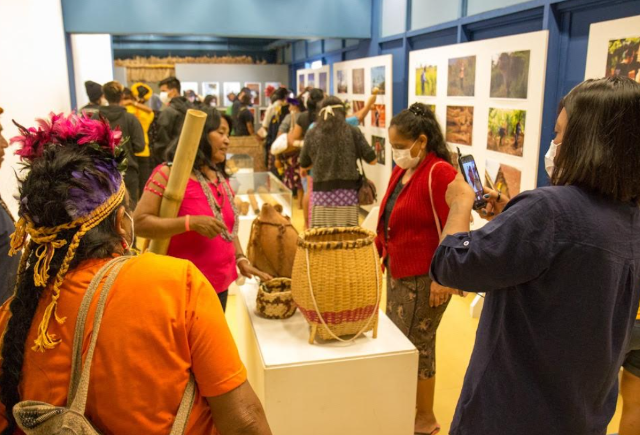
229,18
435,39
314,48
396,49
513,24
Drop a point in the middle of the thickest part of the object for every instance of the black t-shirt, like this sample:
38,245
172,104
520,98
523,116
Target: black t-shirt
244,116
304,121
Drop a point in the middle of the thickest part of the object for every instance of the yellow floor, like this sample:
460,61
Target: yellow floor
456,336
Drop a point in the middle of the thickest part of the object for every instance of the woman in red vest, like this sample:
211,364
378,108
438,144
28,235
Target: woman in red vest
411,215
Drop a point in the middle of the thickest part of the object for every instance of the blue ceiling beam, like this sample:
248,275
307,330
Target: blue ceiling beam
277,19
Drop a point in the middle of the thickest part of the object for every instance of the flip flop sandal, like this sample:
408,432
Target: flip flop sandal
433,432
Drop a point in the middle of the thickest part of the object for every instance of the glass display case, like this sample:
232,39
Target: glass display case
239,163
256,188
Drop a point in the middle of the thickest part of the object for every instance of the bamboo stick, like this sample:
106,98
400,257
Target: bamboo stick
180,172
253,201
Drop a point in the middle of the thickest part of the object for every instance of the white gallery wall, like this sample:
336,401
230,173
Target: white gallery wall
33,72
606,42
92,60
479,97
314,77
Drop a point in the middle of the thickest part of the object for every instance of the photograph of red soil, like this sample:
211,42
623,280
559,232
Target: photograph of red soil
460,125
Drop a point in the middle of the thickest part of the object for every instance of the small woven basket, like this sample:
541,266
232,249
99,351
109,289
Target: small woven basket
336,282
274,300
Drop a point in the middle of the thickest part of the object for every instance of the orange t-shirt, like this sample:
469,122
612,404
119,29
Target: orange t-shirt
162,321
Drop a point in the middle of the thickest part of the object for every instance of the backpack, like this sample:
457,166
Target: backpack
39,418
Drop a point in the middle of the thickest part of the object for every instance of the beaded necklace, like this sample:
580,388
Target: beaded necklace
217,208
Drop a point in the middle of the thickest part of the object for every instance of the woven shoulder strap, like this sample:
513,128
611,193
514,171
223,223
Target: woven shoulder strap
433,205
80,374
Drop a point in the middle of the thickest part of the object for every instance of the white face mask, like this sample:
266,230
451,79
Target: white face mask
404,159
164,97
550,157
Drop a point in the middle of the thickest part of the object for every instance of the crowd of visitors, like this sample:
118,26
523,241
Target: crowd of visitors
558,265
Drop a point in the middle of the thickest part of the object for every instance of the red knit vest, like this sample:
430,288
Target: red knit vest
412,236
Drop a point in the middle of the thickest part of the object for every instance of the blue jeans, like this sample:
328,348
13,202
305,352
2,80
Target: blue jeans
223,299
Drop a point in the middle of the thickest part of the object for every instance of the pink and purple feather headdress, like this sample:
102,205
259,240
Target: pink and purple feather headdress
79,130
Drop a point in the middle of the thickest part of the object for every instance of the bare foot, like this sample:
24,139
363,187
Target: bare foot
425,424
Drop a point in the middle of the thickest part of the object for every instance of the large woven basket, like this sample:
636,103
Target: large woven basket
336,282
274,299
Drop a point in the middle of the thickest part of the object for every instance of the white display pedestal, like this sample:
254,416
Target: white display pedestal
364,388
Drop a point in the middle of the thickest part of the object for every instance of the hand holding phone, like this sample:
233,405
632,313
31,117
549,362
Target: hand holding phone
470,173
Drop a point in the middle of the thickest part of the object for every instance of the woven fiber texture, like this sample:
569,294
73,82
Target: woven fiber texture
339,269
274,300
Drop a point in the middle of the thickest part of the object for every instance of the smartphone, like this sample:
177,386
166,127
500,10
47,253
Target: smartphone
470,173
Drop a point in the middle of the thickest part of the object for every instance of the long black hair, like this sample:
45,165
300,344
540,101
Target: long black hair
203,157
313,103
419,119
600,149
46,193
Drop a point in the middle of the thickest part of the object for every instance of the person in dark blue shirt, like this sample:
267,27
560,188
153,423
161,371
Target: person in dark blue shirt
560,266
8,265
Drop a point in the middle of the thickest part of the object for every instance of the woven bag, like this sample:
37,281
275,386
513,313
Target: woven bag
336,282
274,300
39,418
272,244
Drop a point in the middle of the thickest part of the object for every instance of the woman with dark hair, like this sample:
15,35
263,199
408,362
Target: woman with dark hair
333,149
308,117
161,318
206,229
244,120
210,101
560,266
411,215
296,135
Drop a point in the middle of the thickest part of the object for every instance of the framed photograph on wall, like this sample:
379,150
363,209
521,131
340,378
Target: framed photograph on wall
256,89
426,80
358,80
323,81
190,86
230,88
343,82
506,130
510,74
462,77
614,49
378,79
213,89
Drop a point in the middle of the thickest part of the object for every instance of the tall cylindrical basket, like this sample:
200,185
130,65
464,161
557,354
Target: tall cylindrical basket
336,282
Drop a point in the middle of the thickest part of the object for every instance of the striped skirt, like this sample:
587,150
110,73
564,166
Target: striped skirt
334,208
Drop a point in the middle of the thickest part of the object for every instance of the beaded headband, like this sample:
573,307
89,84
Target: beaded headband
86,212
